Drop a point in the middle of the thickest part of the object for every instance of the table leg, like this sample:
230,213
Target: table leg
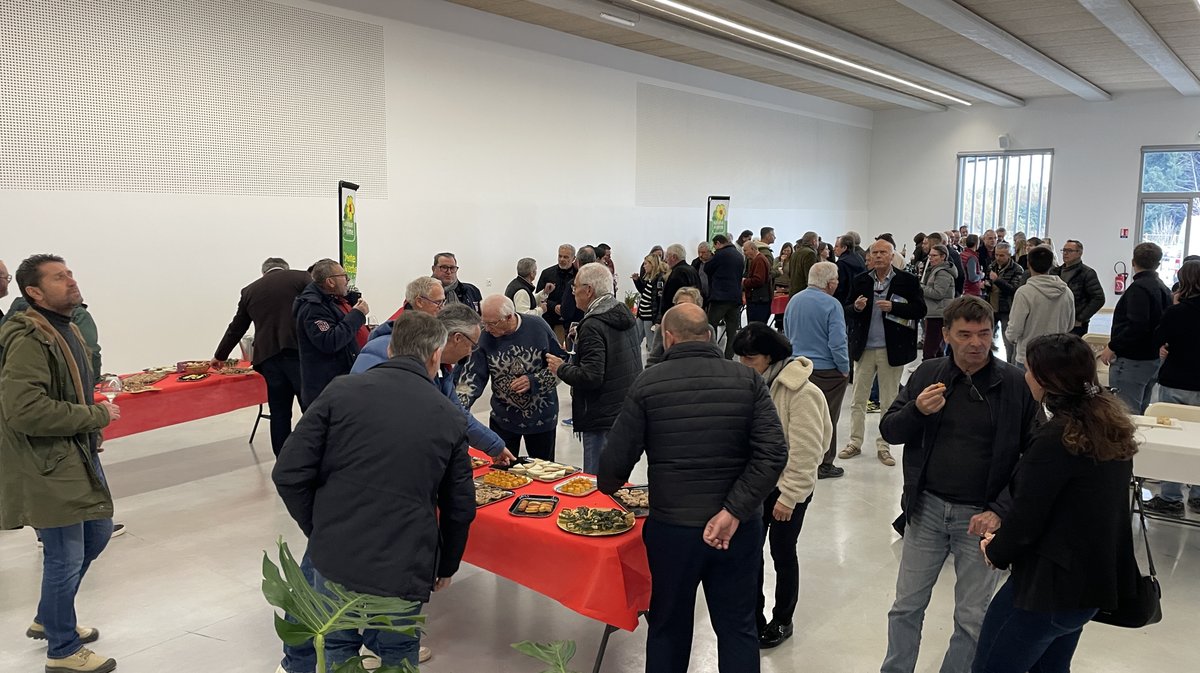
609,629
258,418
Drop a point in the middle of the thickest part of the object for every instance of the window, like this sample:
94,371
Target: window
1169,199
1004,189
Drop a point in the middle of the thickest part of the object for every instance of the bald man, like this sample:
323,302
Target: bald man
715,450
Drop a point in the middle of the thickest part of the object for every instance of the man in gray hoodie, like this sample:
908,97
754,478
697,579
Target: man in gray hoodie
1043,305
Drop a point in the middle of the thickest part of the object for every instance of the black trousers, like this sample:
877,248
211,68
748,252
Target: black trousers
783,536
758,312
680,562
282,374
539,445
729,313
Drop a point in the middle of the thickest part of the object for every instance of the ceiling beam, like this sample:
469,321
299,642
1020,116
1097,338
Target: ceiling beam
821,33
1130,27
990,36
688,37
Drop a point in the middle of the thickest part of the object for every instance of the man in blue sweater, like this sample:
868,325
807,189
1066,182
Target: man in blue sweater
815,323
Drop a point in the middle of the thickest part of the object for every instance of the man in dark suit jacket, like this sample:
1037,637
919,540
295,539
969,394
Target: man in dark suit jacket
886,306
267,303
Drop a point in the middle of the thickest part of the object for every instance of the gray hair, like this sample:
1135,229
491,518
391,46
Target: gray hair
1004,245
459,319
586,255
703,246
418,335
503,305
568,246
810,238
822,274
418,287
689,292
526,266
596,276
272,263
677,250
323,270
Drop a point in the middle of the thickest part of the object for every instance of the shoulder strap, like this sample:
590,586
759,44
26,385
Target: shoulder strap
1145,535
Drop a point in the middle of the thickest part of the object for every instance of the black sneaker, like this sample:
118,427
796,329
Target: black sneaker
829,472
1160,506
774,635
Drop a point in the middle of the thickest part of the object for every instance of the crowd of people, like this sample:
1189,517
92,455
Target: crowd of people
1007,462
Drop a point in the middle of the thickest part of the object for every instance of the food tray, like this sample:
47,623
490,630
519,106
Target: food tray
477,463
523,464
507,494
526,480
189,378
536,498
592,533
639,512
558,488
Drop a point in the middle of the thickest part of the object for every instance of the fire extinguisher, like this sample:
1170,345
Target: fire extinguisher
1121,279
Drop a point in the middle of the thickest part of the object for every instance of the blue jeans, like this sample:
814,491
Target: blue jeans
1134,381
1015,640
593,446
341,646
936,529
68,553
1173,491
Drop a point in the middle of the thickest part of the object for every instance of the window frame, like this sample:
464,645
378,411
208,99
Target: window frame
1144,197
1003,181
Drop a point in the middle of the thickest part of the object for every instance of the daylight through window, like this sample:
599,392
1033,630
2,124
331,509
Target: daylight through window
1004,189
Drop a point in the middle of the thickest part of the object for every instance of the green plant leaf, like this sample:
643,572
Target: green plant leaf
273,587
557,653
291,633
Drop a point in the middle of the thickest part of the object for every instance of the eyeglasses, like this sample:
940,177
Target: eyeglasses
1066,250
446,268
6,279
474,342
976,396
492,323
436,302
340,275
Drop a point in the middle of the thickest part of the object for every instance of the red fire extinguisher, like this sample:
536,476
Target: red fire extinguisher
1121,279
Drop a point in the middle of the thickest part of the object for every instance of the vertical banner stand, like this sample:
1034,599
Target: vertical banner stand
718,217
348,231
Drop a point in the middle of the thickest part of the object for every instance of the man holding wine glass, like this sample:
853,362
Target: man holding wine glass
49,439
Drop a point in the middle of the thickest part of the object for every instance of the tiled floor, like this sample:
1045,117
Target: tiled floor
180,592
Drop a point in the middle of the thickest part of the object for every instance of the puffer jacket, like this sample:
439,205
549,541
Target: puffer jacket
973,280
1085,287
710,432
804,415
938,286
1004,288
608,358
327,339
48,472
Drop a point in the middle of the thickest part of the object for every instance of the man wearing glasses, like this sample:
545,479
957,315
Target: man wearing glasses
330,328
445,269
963,421
424,295
1081,278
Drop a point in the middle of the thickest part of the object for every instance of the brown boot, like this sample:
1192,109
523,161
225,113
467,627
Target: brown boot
87,634
83,661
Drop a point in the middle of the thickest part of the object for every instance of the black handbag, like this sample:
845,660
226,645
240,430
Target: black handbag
1145,606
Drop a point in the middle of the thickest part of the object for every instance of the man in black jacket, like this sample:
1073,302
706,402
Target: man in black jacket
1001,283
445,269
964,421
849,267
682,275
1081,278
569,310
330,328
267,303
725,272
1132,352
882,318
608,357
554,281
383,495
716,449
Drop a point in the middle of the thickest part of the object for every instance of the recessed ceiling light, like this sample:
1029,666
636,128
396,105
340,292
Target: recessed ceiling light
775,39
618,19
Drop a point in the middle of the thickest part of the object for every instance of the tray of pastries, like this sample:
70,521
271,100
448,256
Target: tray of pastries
502,479
544,471
634,499
535,506
477,463
486,495
595,522
578,486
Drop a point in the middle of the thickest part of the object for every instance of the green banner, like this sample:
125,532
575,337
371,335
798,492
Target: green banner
348,226
718,216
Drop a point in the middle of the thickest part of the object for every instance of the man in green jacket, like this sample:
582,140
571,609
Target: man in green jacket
49,439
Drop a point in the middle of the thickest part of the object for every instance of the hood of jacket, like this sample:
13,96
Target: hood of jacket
611,312
944,266
20,323
792,373
1050,287
853,262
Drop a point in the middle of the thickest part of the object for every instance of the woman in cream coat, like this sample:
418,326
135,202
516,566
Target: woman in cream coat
805,419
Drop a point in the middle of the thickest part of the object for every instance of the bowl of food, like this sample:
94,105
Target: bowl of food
193,367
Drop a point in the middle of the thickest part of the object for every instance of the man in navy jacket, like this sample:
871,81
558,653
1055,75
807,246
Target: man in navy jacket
330,328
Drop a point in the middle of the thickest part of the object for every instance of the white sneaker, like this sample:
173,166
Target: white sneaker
424,654
118,529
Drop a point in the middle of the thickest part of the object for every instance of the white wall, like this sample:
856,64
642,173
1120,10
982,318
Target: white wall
1094,183
495,151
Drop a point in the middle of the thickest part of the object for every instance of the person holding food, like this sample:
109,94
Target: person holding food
964,421
716,449
384,497
1066,536
804,415
608,357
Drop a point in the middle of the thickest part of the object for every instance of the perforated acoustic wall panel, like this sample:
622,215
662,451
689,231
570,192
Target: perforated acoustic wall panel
189,96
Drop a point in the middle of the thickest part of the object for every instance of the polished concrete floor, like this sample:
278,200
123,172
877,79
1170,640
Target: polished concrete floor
180,592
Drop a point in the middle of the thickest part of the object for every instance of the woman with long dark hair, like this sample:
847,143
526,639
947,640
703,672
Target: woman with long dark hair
804,415
1067,536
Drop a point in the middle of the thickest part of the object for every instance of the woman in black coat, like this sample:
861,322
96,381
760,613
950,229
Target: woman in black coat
1067,536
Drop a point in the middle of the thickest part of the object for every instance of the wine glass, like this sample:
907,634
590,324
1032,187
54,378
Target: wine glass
109,386
572,333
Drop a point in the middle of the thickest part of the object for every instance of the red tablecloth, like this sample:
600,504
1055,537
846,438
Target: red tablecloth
779,304
179,402
604,578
